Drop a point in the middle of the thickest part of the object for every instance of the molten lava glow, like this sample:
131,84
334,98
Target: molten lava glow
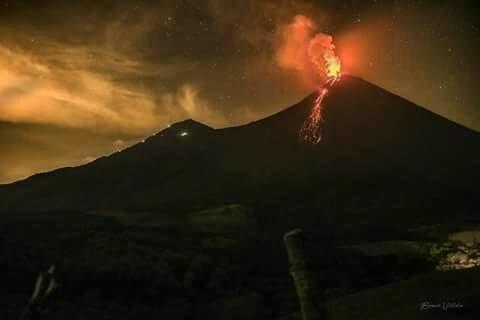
308,52
333,66
321,53
311,53
311,131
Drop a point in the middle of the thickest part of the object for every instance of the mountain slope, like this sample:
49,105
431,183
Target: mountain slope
375,145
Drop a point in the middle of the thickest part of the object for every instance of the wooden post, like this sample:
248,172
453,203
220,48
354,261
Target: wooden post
302,276
44,286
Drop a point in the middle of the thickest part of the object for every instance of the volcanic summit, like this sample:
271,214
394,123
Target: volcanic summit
369,134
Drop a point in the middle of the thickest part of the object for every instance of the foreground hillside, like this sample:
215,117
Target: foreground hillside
450,295
216,264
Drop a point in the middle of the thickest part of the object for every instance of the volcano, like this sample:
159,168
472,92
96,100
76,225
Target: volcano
379,153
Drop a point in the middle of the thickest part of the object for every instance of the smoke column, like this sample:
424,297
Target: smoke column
311,53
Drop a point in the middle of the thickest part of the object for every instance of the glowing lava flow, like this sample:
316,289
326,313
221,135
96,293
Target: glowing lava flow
311,130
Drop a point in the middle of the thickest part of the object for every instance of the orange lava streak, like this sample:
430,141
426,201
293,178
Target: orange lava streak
311,131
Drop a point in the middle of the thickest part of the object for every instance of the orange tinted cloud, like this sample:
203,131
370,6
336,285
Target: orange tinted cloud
78,90
309,52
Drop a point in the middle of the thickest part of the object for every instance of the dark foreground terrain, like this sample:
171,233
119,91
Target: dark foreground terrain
111,269
191,226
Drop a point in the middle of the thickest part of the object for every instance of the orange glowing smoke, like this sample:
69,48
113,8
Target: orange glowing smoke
321,52
311,53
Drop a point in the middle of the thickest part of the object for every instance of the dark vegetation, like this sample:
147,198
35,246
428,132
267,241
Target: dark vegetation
126,272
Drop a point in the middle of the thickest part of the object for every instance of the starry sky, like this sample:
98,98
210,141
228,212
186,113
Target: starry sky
81,79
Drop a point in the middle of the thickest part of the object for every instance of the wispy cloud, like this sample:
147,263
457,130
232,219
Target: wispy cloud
91,89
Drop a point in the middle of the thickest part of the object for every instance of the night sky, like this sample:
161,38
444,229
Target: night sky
80,79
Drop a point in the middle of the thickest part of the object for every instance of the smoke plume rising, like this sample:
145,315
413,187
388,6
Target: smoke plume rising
302,48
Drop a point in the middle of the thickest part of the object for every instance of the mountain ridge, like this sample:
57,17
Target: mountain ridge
367,132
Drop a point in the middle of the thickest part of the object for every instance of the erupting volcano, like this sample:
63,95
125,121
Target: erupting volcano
328,63
312,54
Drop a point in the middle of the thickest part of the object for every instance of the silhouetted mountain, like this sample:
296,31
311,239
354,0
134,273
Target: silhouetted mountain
379,153
189,223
